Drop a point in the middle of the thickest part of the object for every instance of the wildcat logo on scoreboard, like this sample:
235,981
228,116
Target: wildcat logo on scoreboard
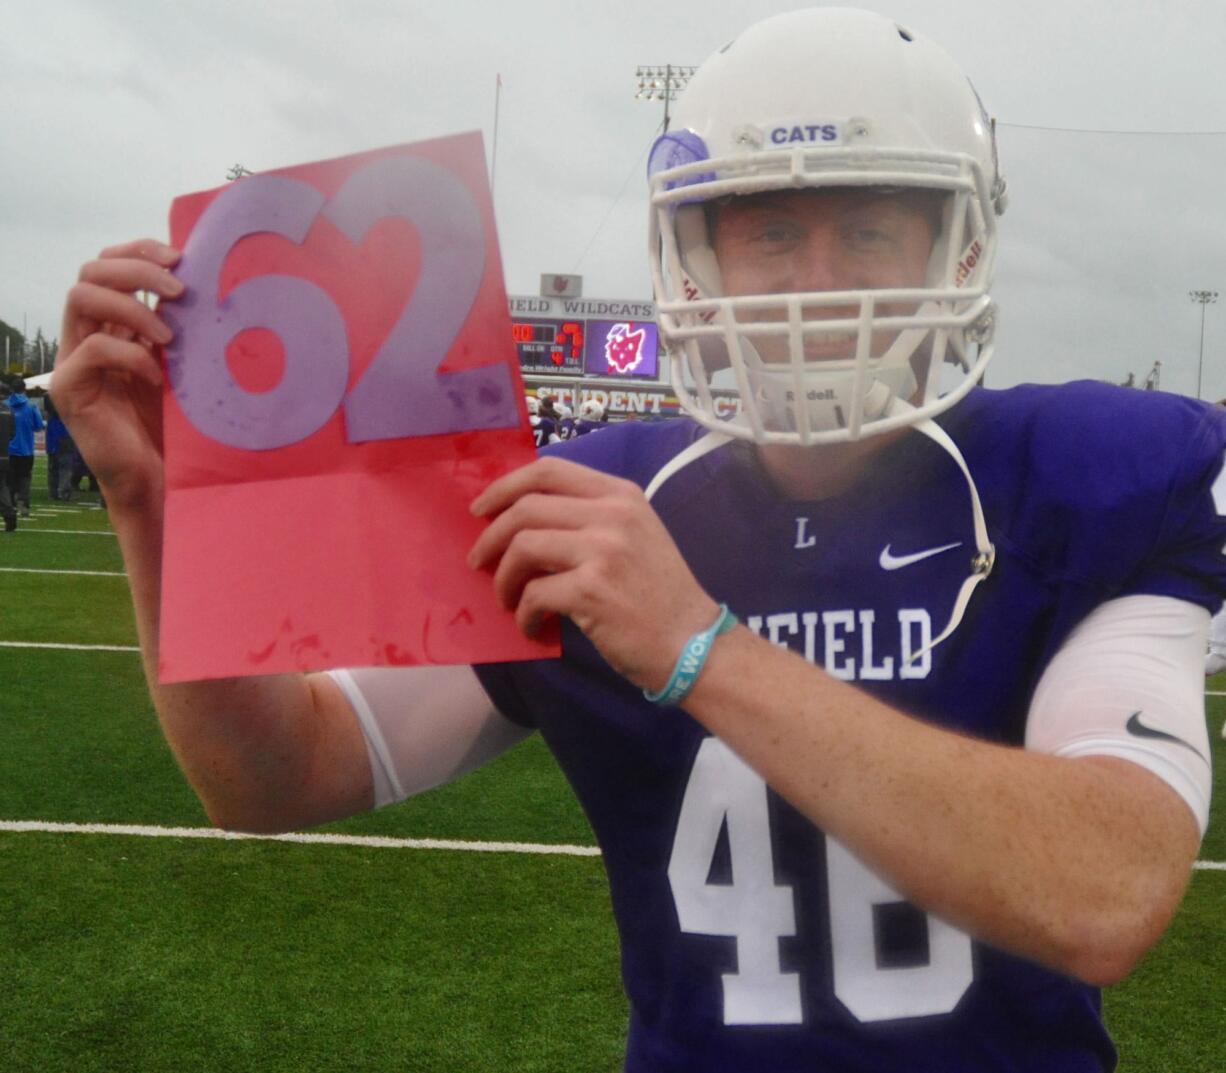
623,348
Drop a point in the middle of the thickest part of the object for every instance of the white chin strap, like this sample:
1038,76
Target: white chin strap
985,553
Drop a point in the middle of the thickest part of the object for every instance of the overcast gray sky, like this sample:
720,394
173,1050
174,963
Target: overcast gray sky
112,109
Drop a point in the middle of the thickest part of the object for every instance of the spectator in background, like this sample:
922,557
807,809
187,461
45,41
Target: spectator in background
82,472
7,427
27,420
61,455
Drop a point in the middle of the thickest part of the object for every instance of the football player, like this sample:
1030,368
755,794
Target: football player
591,417
566,422
884,699
544,426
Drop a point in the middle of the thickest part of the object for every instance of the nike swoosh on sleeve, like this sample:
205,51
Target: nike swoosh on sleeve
1137,729
889,561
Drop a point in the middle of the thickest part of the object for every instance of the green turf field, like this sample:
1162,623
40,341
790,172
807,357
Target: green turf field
120,952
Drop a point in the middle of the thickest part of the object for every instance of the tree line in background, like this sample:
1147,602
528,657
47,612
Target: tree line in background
26,357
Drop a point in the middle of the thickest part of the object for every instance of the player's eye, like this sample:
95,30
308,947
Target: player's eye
870,238
775,233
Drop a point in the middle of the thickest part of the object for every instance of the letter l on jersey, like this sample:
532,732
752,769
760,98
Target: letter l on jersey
804,539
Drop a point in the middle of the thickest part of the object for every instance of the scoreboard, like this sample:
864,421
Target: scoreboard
621,348
549,346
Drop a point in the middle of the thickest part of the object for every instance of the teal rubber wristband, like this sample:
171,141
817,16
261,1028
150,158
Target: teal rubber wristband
692,660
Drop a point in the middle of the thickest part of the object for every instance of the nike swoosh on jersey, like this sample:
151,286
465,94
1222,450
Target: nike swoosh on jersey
1137,729
889,561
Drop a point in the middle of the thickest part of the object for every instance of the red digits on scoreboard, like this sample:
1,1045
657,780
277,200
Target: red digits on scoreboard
571,338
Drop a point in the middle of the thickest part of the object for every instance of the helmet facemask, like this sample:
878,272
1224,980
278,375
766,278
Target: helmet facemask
822,366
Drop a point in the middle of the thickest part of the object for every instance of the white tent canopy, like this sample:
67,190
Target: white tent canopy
42,381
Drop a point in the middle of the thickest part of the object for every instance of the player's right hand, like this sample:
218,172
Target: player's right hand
107,383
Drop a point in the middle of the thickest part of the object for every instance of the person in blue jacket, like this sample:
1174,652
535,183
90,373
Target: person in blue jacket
7,511
27,420
61,455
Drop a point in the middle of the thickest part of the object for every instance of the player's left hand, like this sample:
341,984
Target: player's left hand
569,540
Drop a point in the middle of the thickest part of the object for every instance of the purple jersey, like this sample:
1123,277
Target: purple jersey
750,940
543,431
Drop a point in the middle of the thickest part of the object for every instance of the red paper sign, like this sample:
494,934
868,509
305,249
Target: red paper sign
342,383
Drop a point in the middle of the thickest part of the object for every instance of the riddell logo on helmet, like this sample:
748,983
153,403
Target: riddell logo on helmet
969,260
692,294
813,395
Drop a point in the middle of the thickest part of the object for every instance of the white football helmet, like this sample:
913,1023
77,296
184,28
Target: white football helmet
533,404
828,97
591,410
564,411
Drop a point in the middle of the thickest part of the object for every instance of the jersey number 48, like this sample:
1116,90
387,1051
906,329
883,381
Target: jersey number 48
757,912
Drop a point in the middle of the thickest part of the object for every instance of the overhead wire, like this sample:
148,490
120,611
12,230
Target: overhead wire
1092,130
620,194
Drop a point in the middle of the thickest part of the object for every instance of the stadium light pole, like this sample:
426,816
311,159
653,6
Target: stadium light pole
1204,298
662,84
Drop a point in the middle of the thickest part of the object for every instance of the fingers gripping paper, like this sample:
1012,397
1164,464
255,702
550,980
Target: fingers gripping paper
342,382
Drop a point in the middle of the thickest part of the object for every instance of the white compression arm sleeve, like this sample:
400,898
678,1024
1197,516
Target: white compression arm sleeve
424,725
1129,682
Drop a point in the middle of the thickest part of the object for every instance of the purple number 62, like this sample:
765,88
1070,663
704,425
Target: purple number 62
401,393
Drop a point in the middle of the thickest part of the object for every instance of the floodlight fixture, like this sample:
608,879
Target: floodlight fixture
662,84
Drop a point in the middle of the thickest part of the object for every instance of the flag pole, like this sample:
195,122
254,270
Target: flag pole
494,152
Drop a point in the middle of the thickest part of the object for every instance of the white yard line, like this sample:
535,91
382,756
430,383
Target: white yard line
78,573
23,526
71,648
372,841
